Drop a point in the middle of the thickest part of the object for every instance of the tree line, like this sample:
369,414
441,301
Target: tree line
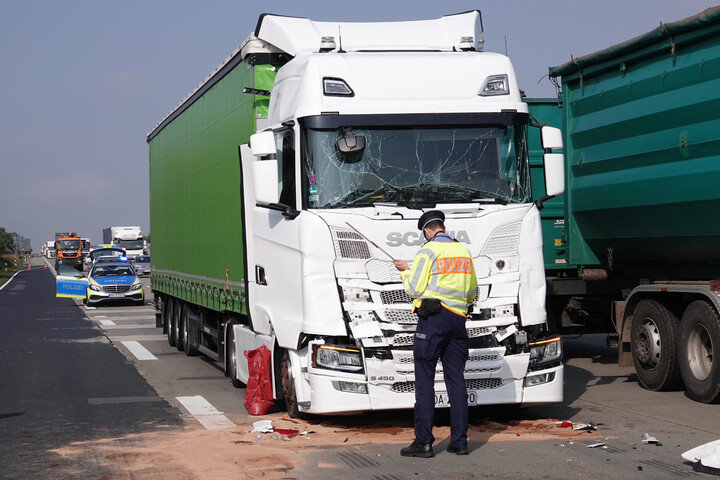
6,241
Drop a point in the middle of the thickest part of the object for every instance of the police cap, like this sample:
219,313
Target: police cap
428,217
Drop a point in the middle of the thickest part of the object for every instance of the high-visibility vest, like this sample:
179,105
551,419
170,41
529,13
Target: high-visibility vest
442,271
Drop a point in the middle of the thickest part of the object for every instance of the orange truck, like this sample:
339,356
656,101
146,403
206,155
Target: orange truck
68,250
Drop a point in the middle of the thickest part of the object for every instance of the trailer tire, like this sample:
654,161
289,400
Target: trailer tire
189,340
655,347
172,339
699,366
178,323
288,388
232,358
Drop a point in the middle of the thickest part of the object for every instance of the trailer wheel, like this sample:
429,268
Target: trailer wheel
699,335
288,387
232,359
171,335
189,341
178,324
654,346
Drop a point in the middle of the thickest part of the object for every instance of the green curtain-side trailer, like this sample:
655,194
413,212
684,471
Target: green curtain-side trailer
195,188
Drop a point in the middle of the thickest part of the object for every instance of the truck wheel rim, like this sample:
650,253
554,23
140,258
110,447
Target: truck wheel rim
648,345
700,352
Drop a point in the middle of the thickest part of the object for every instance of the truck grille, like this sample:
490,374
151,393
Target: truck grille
381,271
470,384
349,244
395,296
403,339
116,288
398,316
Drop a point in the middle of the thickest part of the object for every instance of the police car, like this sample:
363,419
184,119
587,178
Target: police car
113,279
103,251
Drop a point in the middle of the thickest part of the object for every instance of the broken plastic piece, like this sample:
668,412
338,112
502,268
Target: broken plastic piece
288,433
595,445
650,440
707,454
263,426
565,424
585,426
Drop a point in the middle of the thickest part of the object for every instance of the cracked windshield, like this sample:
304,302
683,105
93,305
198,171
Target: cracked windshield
358,167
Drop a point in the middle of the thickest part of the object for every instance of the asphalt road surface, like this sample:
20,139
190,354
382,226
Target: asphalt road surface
72,377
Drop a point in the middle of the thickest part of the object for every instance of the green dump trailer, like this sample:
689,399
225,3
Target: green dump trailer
636,249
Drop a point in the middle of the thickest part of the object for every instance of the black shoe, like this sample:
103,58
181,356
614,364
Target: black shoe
422,450
457,451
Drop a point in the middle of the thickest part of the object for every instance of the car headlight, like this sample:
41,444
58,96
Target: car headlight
94,288
346,359
545,351
136,286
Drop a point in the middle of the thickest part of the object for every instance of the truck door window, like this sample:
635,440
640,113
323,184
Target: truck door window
285,141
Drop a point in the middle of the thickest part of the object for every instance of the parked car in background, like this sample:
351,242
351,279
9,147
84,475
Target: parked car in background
111,281
142,265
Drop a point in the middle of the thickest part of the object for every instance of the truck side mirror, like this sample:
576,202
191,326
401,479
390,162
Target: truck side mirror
551,139
265,181
263,144
554,174
554,162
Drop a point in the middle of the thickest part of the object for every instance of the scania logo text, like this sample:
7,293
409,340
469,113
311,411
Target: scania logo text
395,239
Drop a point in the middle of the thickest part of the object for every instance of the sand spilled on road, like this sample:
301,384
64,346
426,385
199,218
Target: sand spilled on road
240,453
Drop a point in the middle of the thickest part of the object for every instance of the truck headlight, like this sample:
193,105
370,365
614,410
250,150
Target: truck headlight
545,351
333,357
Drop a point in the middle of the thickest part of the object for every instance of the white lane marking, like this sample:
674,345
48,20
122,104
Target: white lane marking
140,352
128,327
118,336
107,322
205,413
9,280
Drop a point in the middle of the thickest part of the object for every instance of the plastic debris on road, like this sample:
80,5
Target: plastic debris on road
263,426
707,454
584,426
650,440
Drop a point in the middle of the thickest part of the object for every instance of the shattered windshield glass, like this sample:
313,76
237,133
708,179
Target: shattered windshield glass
361,166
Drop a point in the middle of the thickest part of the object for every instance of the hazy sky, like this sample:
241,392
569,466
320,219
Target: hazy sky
83,81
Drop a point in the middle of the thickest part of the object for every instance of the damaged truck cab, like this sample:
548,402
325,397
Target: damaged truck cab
368,126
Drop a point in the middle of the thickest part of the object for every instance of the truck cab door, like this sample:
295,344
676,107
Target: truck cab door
272,240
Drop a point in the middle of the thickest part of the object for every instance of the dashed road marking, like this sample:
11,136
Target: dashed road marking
106,322
140,352
114,326
205,413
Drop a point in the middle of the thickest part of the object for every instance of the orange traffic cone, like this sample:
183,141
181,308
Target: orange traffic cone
29,267
45,267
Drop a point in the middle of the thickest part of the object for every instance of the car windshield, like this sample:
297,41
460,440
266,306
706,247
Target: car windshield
131,244
106,252
142,259
417,165
113,271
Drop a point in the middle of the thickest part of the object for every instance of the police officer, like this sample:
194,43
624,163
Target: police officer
442,282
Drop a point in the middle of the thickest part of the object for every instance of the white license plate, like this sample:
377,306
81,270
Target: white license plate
117,295
443,399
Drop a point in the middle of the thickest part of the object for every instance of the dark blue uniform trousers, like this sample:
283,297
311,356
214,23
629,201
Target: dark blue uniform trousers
442,336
